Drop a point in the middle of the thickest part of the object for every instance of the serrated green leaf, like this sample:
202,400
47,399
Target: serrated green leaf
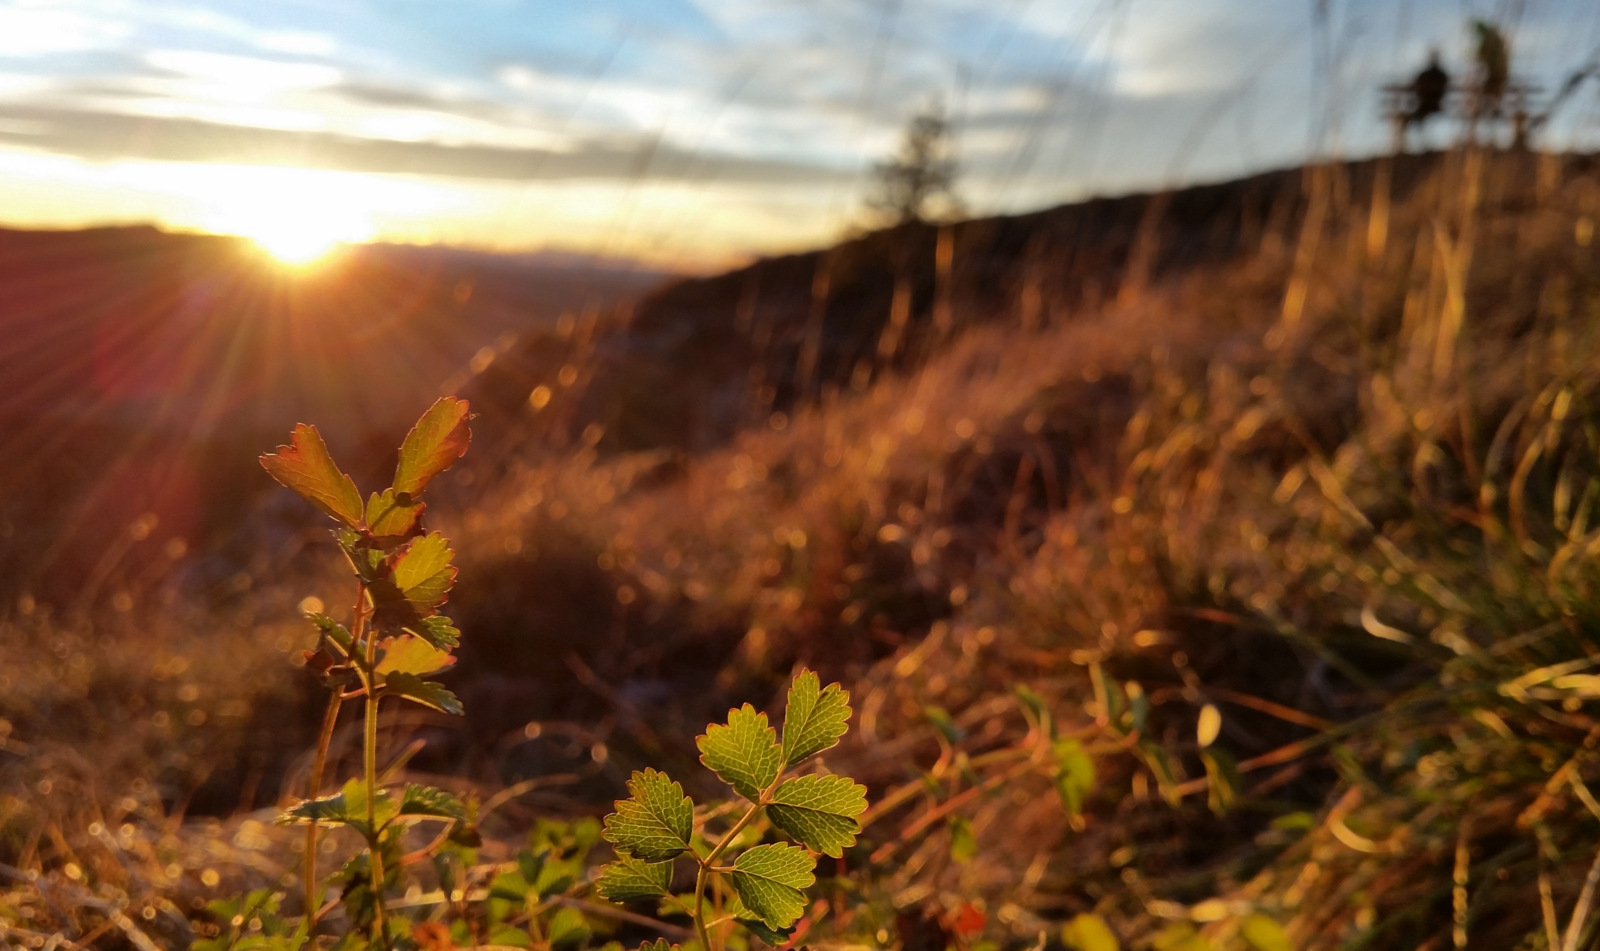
531,863
438,630
814,718
438,439
660,944
417,581
1074,774
654,825
744,752
510,936
819,812
384,808
411,654
1089,933
1264,934
628,879
567,926
769,879
306,467
387,517
332,810
423,572
776,937
510,886
426,692
557,877
428,801
348,807
353,883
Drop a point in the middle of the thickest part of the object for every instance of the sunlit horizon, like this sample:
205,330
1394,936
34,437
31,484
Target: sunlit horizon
687,136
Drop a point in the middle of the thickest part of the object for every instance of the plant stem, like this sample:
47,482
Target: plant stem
369,756
707,864
329,720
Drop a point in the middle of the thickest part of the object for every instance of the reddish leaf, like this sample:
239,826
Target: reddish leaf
306,467
438,439
319,661
432,936
969,920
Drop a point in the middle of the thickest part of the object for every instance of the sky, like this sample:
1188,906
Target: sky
690,133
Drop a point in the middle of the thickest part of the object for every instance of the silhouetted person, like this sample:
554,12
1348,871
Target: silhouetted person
1428,91
1494,67
1415,102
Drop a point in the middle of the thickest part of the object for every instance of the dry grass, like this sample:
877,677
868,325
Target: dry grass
1343,488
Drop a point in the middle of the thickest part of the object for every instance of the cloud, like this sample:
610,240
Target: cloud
41,31
246,72
396,96
108,136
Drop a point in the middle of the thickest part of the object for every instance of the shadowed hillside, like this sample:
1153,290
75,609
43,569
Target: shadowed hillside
696,361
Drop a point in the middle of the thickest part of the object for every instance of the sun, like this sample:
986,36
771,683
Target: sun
301,239
295,248
296,219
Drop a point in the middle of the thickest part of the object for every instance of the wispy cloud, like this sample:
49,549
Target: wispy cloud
107,136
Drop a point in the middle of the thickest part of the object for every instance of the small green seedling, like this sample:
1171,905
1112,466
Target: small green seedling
396,640
658,823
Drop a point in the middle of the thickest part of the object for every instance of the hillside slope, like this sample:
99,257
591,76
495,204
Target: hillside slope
1334,479
1233,601
700,359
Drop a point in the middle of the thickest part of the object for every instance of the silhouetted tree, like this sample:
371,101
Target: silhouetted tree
918,184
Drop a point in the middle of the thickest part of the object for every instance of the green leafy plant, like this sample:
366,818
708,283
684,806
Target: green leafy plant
253,921
395,640
758,885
